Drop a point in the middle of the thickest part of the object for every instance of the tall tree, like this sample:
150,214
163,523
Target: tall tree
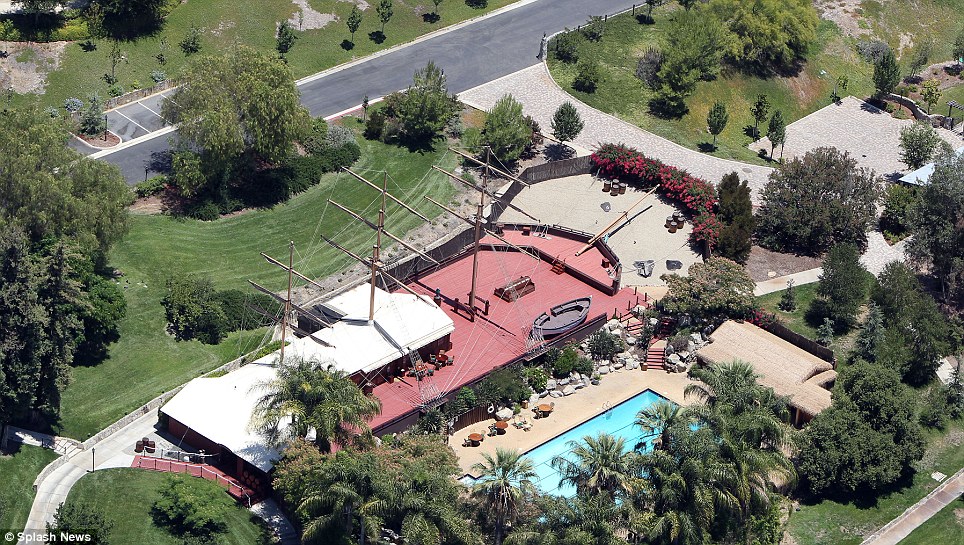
937,221
599,464
919,143
767,34
692,53
717,119
886,74
425,108
285,38
661,419
243,102
53,192
354,21
92,119
842,288
76,518
812,202
313,398
504,482
777,132
760,110
736,213
506,129
930,92
385,12
566,122
717,288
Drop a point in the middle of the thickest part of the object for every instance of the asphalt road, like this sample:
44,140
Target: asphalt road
470,56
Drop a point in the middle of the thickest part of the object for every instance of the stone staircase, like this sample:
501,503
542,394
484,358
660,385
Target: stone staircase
67,447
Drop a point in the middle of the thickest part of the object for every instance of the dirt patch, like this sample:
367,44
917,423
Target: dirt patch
26,65
949,74
764,264
148,206
307,18
99,141
959,517
845,13
222,26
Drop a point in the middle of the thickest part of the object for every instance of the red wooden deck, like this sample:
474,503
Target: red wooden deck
499,337
238,491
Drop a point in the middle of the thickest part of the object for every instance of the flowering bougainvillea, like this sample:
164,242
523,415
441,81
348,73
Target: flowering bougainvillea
695,194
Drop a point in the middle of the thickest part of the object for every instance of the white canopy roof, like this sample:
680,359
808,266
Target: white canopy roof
403,322
220,409
923,174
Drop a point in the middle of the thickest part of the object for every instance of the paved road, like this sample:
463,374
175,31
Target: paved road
896,530
470,56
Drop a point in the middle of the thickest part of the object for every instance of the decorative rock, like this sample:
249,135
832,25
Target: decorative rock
503,414
630,340
603,369
684,354
669,349
618,365
617,332
612,324
673,359
584,346
555,393
579,385
562,381
696,338
551,384
534,398
653,321
632,364
569,390
639,309
690,346
544,393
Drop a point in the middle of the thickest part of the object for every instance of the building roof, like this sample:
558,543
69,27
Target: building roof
402,323
788,369
923,174
220,408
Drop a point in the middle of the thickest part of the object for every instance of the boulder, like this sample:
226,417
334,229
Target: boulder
684,354
580,385
551,384
612,324
534,398
669,349
569,390
639,310
562,381
618,365
617,332
603,369
543,393
503,414
690,346
630,340
632,364
673,359
555,393
696,338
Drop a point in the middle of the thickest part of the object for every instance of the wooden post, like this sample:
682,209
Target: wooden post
634,10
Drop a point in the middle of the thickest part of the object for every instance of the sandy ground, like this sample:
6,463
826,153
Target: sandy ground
764,264
571,411
872,136
844,13
578,202
308,18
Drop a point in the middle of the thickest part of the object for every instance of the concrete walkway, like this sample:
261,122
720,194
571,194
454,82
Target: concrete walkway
541,96
109,453
270,512
899,528
780,282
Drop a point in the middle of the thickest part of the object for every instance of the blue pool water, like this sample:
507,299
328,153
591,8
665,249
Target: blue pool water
617,421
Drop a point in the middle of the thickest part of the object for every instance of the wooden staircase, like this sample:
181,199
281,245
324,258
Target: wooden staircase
656,355
558,266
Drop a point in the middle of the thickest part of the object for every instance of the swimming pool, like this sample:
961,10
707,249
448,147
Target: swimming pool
617,421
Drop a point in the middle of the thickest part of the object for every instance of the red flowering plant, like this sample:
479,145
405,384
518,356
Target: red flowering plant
696,195
763,318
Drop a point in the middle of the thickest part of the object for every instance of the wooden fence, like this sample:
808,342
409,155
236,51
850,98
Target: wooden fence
557,169
803,343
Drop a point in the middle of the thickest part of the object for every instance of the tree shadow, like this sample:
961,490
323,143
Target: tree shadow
645,19
130,29
87,45
347,45
558,152
431,17
706,147
377,36
750,132
667,109
161,162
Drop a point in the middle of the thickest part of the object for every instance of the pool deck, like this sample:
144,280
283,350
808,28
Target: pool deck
570,411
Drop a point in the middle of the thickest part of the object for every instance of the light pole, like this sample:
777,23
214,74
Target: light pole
105,127
93,454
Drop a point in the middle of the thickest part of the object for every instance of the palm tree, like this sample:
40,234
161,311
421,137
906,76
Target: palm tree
306,397
503,483
347,491
599,464
733,383
682,498
580,520
661,418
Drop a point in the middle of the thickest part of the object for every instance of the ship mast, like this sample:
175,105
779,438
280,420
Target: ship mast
375,250
478,233
284,317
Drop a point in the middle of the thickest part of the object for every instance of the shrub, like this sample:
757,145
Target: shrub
587,77
192,309
205,211
647,69
897,202
569,361
73,104
337,136
504,387
375,126
237,313
604,345
192,506
872,50
115,90
594,29
477,4
315,140
537,378
332,159
567,47
150,187
506,130
158,76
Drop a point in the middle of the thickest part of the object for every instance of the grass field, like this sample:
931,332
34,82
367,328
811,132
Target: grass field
126,496
946,527
847,523
797,322
147,361
622,94
16,484
248,22
904,24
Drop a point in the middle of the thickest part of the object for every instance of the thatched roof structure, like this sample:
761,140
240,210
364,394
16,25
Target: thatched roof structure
789,370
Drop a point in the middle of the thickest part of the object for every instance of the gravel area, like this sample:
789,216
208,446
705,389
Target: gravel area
871,135
578,202
541,96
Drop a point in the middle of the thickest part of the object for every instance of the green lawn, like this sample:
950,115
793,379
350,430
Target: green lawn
126,496
622,94
946,527
16,485
249,22
938,20
847,523
147,361
797,322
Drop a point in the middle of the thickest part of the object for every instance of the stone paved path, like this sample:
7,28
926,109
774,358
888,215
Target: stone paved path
540,97
899,528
